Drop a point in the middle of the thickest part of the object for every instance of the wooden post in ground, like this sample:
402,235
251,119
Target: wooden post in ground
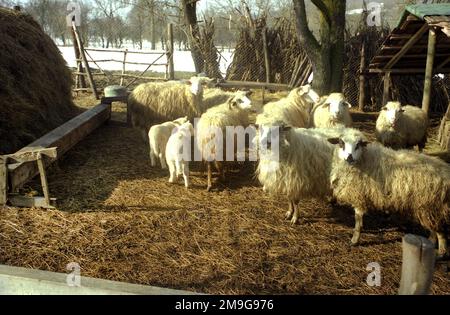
123,66
429,70
170,52
362,79
386,89
3,181
266,55
44,182
417,265
86,64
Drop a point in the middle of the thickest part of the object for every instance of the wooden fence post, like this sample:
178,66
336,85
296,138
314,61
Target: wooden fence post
170,52
362,79
429,70
417,265
123,66
386,90
3,181
80,81
266,55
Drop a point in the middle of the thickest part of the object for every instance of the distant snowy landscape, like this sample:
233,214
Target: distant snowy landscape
182,60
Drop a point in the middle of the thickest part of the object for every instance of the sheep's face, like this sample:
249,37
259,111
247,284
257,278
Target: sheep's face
241,100
309,94
393,112
180,121
351,148
196,85
337,105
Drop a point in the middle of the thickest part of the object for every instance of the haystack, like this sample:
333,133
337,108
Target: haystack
35,83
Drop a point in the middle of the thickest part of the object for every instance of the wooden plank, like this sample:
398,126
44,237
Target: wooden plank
44,183
63,137
31,202
417,265
170,52
123,66
410,43
129,51
253,85
32,154
109,100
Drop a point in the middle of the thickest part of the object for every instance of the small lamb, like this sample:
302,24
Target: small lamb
158,137
178,152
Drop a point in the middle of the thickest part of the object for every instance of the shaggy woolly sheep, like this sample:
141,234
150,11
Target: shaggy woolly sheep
331,112
214,97
293,110
402,127
213,124
372,177
151,103
158,137
178,152
301,167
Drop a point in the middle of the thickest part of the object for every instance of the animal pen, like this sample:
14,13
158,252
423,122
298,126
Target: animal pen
121,221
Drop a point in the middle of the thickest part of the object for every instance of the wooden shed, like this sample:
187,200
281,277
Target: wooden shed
420,44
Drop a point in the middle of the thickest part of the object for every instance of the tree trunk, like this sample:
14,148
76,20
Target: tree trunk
153,31
327,54
190,16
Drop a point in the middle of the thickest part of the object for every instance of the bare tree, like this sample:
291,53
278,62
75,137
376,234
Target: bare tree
326,53
193,32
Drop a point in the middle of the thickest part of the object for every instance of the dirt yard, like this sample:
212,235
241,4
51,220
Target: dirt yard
121,220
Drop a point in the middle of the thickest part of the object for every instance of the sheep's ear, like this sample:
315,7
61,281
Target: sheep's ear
401,110
285,128
189,82
231,103
334,140
248,93
384,108
364,143
348,104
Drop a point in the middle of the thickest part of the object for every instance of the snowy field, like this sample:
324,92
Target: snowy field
182,60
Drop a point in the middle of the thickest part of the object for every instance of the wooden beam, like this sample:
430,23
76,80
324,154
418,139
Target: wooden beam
170,52
253,85
3,181
266,55
63,137
407,46
362,79
405,71
429,71
442,64
386,87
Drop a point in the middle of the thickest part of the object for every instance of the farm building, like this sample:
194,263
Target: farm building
78,192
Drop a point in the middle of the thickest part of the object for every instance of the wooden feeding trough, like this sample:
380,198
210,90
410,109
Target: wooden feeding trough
419,45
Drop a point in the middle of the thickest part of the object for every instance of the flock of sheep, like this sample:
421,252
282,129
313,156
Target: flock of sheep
319,154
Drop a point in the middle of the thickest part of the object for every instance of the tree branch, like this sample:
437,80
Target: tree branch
306,37
323,9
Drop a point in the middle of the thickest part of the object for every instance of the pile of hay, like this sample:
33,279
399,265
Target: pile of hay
35,83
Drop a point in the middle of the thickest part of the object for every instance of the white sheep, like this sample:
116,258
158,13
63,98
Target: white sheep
373,177
158,136
151,103
293,110
178,153
213,123
402,127
215,96
332,111
301,165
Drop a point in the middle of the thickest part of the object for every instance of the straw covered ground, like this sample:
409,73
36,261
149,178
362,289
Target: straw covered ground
121,220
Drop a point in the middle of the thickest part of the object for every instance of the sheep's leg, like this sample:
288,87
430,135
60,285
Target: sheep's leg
185,168
153,157
162,158
173,172
442,244
295,216
291,210
209,176
221,168
358,226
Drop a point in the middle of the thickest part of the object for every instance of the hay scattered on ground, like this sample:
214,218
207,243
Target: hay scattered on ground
121,220
35,84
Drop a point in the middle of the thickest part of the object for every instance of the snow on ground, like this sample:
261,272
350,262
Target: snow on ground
182,60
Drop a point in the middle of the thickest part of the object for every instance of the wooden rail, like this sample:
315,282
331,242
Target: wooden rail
253,85
64,138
